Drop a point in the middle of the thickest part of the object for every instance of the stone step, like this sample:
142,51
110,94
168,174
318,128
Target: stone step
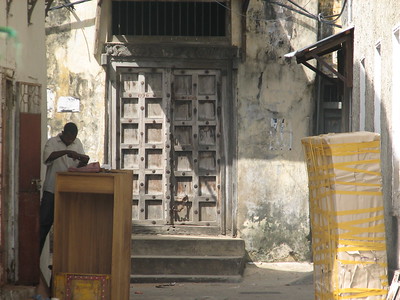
184,278
184,245
186,258
187,265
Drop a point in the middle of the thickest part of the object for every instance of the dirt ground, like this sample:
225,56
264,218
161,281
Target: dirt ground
266,281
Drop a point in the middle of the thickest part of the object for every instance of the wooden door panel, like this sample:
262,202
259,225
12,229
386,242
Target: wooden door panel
154,133
183,136
154,159
154,109
207,110
183,110
130,85
144,141
207,85
183,187
207,161
196,147
130,134
154,86
169,133
207,135
208,186
154,210
207,212
154,184
183,161
130,159
130,108
183,86
29,199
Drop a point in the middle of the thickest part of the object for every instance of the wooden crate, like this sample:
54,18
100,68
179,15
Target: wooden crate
92,234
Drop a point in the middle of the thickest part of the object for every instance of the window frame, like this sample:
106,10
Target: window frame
217,40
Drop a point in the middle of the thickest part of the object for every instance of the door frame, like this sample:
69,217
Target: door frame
228,125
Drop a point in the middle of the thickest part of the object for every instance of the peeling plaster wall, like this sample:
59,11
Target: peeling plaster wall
275,98
74,72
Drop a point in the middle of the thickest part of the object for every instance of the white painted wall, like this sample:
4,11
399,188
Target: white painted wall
396,93
362,83
381,94
377,87
22,58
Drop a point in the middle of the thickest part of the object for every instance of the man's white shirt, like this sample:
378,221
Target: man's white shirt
60,164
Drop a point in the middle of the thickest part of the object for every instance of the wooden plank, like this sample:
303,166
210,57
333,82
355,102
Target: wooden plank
121,250
92,233
83,233
93,183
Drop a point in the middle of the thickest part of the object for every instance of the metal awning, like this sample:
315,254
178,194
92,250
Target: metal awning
340,41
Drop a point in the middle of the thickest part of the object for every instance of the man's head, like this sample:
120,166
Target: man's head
69,133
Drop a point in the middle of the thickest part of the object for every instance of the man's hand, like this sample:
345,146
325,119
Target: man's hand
72,154
83,159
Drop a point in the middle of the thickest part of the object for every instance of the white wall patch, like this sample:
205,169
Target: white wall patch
68,104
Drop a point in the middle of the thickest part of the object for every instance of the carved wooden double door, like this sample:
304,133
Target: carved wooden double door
168,132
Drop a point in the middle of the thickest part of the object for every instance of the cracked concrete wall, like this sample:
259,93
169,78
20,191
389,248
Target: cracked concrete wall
74,72
275,98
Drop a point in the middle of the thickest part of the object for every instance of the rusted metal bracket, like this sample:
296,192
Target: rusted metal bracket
31,7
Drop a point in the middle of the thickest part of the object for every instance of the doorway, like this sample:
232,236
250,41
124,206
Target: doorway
167,129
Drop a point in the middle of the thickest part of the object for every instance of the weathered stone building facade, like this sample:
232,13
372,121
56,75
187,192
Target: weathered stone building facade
237,168
211,123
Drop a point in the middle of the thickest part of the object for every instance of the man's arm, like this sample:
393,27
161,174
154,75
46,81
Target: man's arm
83,159
56,154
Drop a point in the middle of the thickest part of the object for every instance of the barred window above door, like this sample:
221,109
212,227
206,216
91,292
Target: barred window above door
169,18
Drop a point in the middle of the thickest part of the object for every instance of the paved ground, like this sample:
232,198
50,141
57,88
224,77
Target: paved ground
266,281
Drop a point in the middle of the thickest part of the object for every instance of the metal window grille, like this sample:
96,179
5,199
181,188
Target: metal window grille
29,95
166,18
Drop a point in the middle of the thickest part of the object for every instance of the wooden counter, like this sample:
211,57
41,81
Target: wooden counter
92,235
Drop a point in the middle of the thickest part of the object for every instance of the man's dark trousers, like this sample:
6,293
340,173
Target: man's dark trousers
46,216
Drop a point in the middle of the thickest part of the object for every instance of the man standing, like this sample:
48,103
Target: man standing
60,152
